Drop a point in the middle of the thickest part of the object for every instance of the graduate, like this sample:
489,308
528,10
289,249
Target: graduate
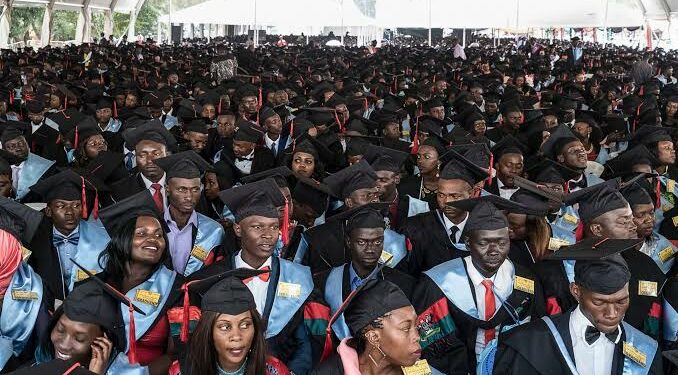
592,337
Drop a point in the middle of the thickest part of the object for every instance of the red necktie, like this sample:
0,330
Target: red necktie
489,309
263,277
157,196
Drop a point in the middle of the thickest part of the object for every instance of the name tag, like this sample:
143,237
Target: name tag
24,295
666,254
675,221
82,275
147,297
636,355
523,284
556,243
25,253
420,367
670,186
647,288
666,207
289,290
199,253
570,218
386,257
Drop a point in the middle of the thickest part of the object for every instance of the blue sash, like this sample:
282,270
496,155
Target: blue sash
158,285
210,235
302,248
334,296
34,167
93,241
395,246
663,253
49,122
566,223
592,179
569,269
227,214
561,345
113,125
299,284
670,322
170,122
20,307
121,366
416,206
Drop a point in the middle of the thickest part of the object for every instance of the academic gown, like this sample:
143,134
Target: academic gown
496,134
644,311
127,187
530,349
449,334
215,143
519,253
411,185
44,143
325,247
431,245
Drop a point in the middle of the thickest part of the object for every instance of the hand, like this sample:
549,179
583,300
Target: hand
101,351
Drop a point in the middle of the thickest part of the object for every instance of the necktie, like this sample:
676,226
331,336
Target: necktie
263,277
157,196
572,184
59,239
128,161
453,233
274,147
489,309
592,335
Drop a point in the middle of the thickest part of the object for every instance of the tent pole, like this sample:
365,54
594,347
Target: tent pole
343,30
429,24
255,33
463,37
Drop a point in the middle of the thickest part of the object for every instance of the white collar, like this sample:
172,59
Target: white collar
148,182
502,279
269,141
578,324
449,223
239,263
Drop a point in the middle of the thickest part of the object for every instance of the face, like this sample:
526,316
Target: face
208,111
242,148
173,79
550,121
148,243
94,145
211,186
303,164
197,140
183,193
427,159
491,107
258,235
604,311
399,337
5,185
273,125
226,126
513,120
582,129
131,101
644,219
489,249
362,197
233,336
366,245
671,108
438,112
72,340
451,191
36,118
573,155
104,115
665,152
477,95
146,152
479,127
249,104
387,182
392,131
616,224
65,214
508,167
17,147
517,226
54,102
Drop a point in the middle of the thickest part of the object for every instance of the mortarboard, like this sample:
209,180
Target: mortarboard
508,145
66,185
549,171
357,176
152,130
30,219
636,194
560,136
486,212
313,193
196,125
54,367
247,131
638,155
385,159
260,198
281,175
375,299
456,166
186,164
139,204
648,135
265,113
12,130
597,199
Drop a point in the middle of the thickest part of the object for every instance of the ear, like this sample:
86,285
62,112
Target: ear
596,229
348,202
561,159
48,211
237,230
373,338
575,290
397,179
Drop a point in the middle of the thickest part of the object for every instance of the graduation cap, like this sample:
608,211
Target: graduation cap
54,367
152,130
186,164
597,199
385,159
266,113
456,166
648,135
560,136
102,311
536,201
12,130
247,131
485,213
140,204
549,171
613,123
312,193
283,176
600,267
260,198
69,186
82,131
21,220
638,155
636,194
198,125
357,176
508,145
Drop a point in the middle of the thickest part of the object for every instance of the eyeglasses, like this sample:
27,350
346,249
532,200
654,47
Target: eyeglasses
96,142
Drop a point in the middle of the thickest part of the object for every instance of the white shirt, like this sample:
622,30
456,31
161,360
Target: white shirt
502,287
16,175
258,287
34,127
271,144
593,359
505,193
245,164
449,224
148,184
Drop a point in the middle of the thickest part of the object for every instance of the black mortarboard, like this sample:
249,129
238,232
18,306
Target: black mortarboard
66,185
636,194
625,161
532,200
597,199
31,218
456,166
35,106
560,136
152,130
648,134
266,113
432,103
104,102
283,176
226,293
508,145
358,176
197,126
247,131
313,193
186,164
307,144
599,268
486,212
375,299
11,130
54,367
260,198
549,171
385,159
83,130
139,204
477,152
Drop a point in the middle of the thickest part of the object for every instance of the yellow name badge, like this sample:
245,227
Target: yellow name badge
289,290
24,295
147,297
386,257
636,355
25,253
647,288
666,254
675,221
199,253
523,284
570,218
670,186
556,243
82,275
420,367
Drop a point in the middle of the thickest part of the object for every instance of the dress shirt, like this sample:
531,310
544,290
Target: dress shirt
449,224
161,182
505,193
595,359
180,240
353,278
16,175
66,251
245,164
257,286
271,144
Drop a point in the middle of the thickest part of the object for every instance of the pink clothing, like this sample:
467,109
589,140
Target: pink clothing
349,358
10,258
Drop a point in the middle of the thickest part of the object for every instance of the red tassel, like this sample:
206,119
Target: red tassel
76,138
415,141
341,125
75,366
294,140
260,101
658,194
11,96
327,347
552,306
132,353
219,107
95,209
641,92
115,109
65,101
83,198
489,179
286,224
184,324
579,233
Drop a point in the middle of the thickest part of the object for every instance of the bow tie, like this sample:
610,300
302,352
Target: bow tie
263,277
592,335
581,184
244,159
60,239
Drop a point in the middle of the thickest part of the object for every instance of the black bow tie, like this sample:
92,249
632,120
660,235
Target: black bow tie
592,334
244,159
574,184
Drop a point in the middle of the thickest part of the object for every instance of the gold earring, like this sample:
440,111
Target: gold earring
383,355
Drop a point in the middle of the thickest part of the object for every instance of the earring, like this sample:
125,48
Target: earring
383,355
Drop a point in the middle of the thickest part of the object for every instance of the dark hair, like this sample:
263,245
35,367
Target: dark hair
119,250
202,356
359,342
